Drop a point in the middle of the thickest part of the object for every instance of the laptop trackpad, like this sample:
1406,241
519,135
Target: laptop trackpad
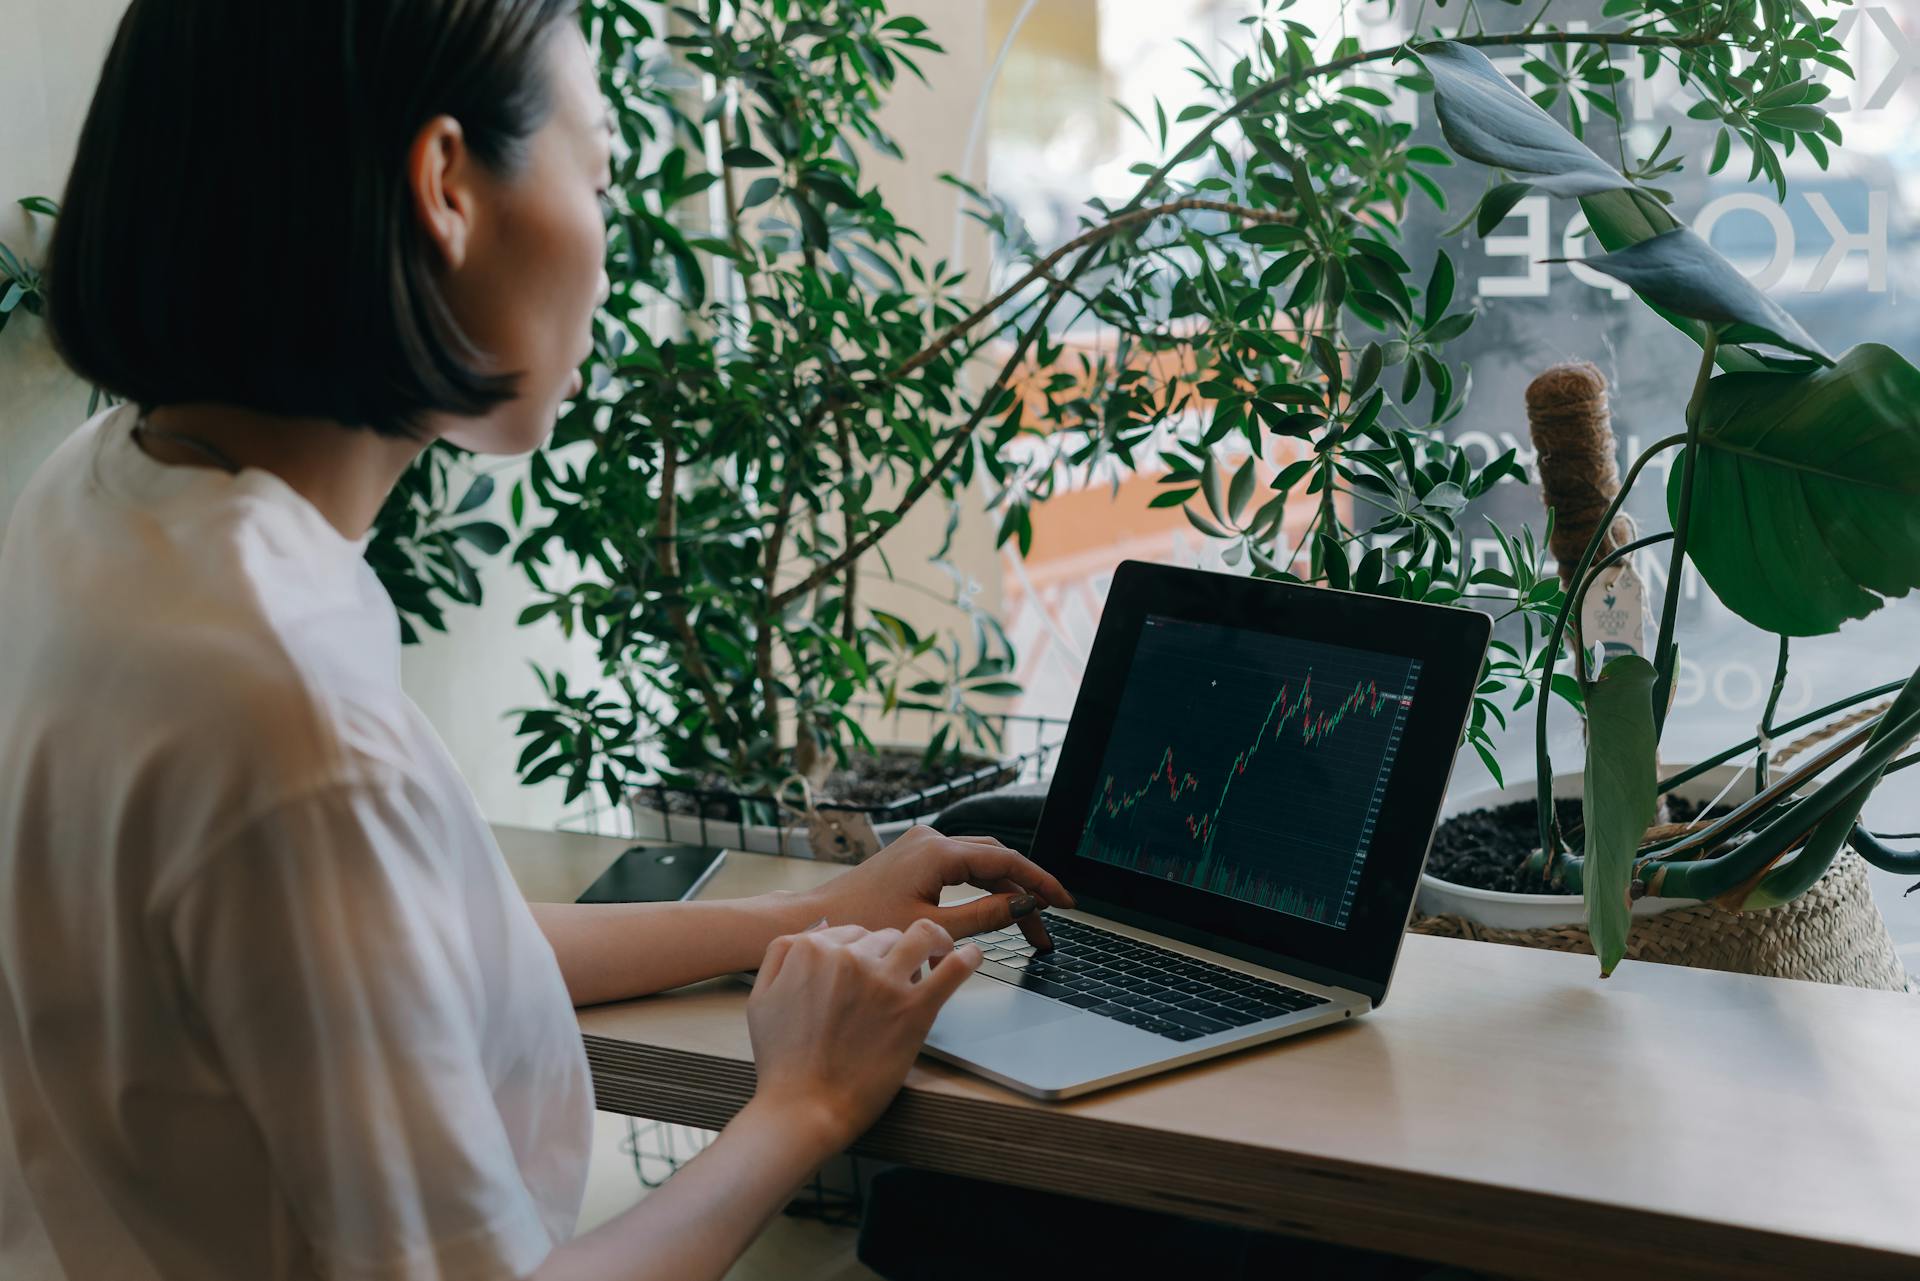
985,1007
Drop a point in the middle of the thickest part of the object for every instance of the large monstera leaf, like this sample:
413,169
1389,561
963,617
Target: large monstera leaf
1807,491
1618,797
1684,274
1485,118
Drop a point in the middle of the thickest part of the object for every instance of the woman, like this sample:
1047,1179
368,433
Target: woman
269,1004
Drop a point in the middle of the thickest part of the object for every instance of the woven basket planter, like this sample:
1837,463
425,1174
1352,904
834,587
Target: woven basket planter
1833,933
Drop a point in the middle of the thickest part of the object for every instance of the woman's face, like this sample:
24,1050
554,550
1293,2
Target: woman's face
526,265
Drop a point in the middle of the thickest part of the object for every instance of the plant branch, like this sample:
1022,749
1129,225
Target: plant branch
666,553
1043,269
1136,211
769,571
843,444
1087,243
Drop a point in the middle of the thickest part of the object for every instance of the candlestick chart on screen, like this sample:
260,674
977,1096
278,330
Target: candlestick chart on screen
1250,765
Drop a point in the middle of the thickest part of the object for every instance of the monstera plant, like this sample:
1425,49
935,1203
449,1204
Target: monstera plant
1796,496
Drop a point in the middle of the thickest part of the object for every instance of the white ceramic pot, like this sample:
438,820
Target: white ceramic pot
1507,911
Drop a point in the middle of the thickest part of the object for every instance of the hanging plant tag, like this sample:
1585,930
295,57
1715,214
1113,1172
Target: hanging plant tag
1614,614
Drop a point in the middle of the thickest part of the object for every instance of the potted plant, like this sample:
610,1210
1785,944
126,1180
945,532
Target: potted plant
705,506
1792,497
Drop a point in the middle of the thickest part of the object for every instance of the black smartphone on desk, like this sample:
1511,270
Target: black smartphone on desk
655,874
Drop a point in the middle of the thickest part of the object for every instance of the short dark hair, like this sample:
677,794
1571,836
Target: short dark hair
238,226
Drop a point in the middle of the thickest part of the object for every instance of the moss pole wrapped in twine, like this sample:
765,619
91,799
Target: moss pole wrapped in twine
1572,430
1573,436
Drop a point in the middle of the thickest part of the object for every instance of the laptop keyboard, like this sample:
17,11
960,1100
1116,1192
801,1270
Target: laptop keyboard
1153,988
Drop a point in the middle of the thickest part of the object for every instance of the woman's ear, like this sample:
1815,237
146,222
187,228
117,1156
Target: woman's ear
440,172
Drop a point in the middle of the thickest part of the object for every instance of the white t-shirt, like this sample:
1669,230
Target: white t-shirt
270,1004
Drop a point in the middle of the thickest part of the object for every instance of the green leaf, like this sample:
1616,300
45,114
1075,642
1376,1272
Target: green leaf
1622,218
477,493
1806,503
40,205
1439,289
1240,490
485,535
1211,485
1485,118
1292,474
1269,233
1722,149
759,191
1202,524
1619,795
1497,204
1333,562
813,224
1684,274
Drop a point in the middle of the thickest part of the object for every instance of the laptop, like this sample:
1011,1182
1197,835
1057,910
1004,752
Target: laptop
1241,807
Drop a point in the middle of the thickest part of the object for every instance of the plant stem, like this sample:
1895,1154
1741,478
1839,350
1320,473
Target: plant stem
1663,650
770,570
1042,270
1766,719
693,658
1613,557
1738,871
1692,772
1543,766
1877,854
843,443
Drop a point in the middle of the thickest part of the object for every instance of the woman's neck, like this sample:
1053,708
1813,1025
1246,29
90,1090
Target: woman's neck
345,472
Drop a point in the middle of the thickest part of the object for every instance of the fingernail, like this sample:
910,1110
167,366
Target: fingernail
820,924
1022,905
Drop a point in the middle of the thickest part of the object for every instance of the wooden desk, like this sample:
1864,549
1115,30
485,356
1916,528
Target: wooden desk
1505,1110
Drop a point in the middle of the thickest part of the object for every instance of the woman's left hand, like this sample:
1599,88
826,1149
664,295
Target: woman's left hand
902,883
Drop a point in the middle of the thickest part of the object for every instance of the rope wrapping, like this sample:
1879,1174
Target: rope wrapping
1574,448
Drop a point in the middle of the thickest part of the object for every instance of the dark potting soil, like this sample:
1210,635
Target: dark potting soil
1486,848
868,780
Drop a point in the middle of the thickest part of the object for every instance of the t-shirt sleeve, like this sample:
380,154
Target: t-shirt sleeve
328,956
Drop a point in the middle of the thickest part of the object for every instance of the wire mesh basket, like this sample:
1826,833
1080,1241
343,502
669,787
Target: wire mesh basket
835,1196
720,816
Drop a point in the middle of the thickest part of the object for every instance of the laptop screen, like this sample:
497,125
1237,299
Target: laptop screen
1250,765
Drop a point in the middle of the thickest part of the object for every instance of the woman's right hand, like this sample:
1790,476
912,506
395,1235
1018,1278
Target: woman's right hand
837,1016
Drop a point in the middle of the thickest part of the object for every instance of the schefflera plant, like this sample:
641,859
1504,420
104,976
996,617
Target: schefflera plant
1794,495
